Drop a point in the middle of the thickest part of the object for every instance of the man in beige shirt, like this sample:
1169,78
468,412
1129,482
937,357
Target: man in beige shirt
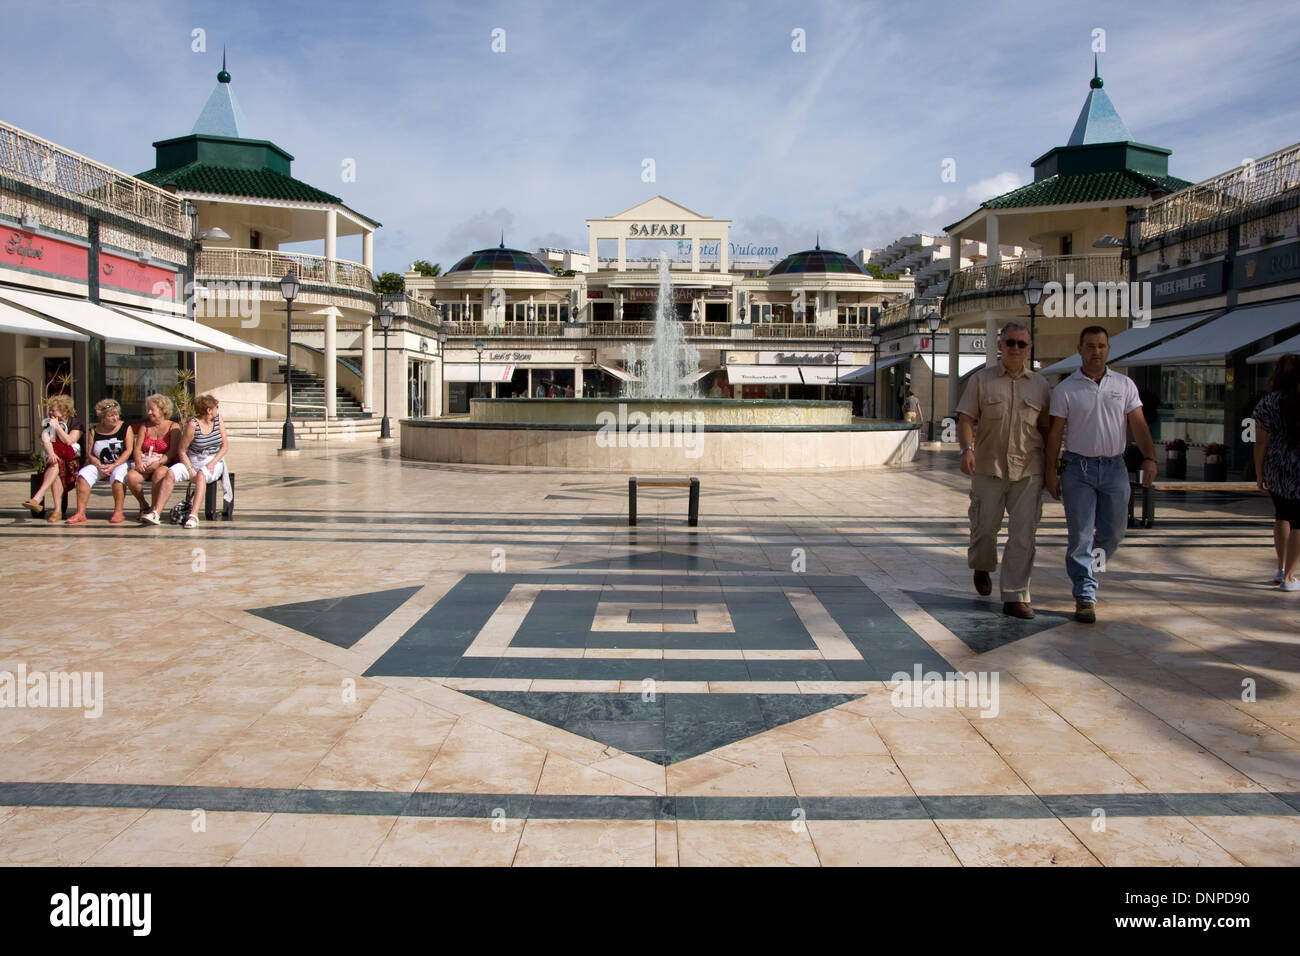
1002,426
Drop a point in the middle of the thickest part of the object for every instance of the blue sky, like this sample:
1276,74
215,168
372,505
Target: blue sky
454,143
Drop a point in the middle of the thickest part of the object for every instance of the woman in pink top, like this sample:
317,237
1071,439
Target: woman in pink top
157,450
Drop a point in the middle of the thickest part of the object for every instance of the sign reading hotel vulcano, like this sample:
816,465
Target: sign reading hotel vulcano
32,253
1186,284
657,230
1267,266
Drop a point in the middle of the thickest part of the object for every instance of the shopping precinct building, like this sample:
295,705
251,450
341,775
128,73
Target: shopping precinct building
764,327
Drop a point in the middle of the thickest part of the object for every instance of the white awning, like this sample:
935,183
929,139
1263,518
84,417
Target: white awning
763,375
867,374
456,372
100,322
1133,340
965,364
617,372
825,374
1213,342
24,323
1290,347
694,377
221,341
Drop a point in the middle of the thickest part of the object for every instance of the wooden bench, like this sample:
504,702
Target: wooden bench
693,509
1148,519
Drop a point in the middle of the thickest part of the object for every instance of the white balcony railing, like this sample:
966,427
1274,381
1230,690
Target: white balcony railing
1009,277
1249,184
48,166
270,265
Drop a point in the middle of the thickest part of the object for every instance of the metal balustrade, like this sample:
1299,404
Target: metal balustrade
1248,185
28,158
1010,277
270,265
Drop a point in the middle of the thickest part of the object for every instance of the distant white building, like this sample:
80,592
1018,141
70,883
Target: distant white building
928,259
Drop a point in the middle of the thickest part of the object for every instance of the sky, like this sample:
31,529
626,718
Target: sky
796,121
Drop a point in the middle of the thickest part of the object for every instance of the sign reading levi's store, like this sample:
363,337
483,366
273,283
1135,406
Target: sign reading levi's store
128,275
33,253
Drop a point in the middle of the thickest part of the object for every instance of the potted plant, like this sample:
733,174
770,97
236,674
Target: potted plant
1216,463
1176,460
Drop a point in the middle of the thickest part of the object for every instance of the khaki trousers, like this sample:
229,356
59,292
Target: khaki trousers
1023,503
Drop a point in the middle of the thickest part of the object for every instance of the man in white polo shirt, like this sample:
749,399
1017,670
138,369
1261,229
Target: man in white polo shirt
1091,409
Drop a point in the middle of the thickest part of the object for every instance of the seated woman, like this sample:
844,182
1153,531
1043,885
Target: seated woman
202,450
108,455
60,441
155,453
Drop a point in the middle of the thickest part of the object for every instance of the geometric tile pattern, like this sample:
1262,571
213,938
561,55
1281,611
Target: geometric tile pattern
340,621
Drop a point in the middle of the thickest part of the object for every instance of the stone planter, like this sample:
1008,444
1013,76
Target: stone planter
1175,464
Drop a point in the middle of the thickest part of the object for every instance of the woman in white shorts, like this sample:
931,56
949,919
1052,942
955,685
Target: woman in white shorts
108,456
202,452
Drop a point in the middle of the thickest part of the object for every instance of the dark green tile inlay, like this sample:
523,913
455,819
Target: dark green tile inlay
341,621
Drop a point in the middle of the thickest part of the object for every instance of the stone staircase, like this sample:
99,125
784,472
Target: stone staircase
350,423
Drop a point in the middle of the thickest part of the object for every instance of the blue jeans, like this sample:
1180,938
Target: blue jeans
1095,494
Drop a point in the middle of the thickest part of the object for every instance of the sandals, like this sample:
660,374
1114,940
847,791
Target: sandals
150,517
117,518
37,508
55,516
192,521
76,519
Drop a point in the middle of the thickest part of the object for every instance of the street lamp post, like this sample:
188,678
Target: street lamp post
288,289
875,373
837,348
385,320
1033,295
479,346
932,322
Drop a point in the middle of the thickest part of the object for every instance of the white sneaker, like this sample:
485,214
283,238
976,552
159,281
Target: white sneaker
1291,585
1279,577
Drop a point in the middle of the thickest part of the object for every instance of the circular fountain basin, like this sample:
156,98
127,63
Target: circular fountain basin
656,435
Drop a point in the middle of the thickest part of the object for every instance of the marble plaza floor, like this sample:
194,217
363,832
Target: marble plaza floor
380,662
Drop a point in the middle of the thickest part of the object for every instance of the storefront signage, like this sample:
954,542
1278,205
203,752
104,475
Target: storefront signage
517,357
803,358
33,253
1195,283
128,275
1267,266
652,295
656,230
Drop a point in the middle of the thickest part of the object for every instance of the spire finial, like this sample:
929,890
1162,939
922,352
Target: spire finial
1096,77
819,240
503,238
223,76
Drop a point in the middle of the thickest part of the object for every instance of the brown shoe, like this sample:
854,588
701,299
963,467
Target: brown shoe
983,583
1018,609
1085,612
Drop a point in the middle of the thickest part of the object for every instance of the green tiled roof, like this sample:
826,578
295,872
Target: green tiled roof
225,181
1089,187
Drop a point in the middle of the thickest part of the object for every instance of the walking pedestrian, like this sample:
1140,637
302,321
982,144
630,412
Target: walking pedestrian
1090,409
1002,423
1277,464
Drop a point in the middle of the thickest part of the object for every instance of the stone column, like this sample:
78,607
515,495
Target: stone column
368,364
724,255
622,253
331,360
368,251
954,365
331,243
695,255
990,338
995,256
577,381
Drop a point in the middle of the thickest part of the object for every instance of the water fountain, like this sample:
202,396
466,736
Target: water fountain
659,423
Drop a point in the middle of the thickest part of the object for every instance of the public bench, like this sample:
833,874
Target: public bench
693,509
1148,518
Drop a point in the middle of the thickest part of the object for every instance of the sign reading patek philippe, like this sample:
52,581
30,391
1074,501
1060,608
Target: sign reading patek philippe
33,253
1266,266
1187,283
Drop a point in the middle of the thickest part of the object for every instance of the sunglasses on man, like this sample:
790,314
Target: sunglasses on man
1015,343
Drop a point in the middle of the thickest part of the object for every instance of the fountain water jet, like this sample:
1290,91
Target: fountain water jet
664,367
